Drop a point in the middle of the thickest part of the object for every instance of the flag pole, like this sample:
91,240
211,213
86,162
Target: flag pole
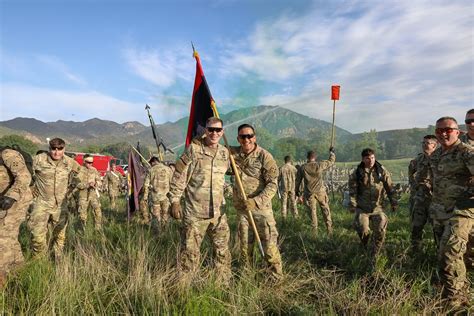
333,120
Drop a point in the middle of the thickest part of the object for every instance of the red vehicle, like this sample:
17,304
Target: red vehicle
101,162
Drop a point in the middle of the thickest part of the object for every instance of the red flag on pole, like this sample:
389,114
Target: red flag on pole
201,108
335,92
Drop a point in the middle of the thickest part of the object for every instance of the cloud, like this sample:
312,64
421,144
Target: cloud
57,65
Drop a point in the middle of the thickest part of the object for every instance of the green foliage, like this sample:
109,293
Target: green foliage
20,141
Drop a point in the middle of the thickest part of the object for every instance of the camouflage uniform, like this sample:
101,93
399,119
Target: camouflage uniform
89,196
200,175
259,173
14,183
422,192
113,182
310,183
367,190
452,209
465,139
287,189
50,203
411,182
157,186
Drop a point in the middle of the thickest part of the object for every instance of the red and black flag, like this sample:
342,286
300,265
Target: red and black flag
201,108
136,176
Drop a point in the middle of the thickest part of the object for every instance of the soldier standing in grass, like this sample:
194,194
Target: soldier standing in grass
199,175
88,186
421,191
15,197
51,172
287,181
259,173
310,185
367,187
452,210
156,186
113,182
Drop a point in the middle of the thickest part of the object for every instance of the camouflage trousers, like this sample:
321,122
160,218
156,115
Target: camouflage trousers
192,234
45,218
268,233
10,249
419,215
455,255
312,202
375,222
288,198
89,198
113,194
159,209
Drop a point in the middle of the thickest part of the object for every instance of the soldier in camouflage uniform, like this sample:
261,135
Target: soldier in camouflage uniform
368,185
51,173
199,175
287,187
421,191
156,186
89,182
15,197
452,209
468,137
113,182
259,173
411,182
310,184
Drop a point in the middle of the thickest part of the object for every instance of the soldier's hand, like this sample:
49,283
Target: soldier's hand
250,205
6,202
175,210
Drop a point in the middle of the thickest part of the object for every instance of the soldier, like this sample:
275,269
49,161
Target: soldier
411,182
113,182
200,175
452,210
15,197
366,189
287,187
89,182
259,173
468,137
310,184
421,190
51,172
157,186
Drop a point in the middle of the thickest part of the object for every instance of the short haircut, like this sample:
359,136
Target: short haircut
245,126
87,156
445,118
57,142
367,152
153,159
311,154
430,137
213,120
287,158
471,111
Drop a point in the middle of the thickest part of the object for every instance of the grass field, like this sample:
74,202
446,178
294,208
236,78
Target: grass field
130,270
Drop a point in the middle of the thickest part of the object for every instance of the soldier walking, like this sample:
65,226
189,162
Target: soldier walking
310,185
287,181
89,182
113,182
15,197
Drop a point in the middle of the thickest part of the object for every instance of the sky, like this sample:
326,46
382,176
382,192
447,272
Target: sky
400,64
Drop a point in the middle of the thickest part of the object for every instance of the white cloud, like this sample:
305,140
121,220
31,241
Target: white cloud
57,65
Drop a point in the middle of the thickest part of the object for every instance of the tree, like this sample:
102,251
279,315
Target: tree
20,141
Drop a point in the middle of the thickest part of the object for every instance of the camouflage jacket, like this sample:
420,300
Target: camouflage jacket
200,175
423,180
14,176
311,176
113,180
51,178
465,139
287,178
453,181
259,174
368,188
86,176
412,174
157,181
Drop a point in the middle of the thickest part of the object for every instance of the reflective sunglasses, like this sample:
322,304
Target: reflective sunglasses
214,129
57,148
248,136
447,130
469,121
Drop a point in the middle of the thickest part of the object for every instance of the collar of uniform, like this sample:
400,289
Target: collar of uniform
451,149
254,152
206,150
51,161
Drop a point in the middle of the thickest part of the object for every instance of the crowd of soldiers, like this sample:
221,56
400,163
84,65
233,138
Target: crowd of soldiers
441,185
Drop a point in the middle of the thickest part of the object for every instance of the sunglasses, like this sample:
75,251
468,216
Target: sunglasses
57,148
447,130
248,136
469,121
88,162
214,129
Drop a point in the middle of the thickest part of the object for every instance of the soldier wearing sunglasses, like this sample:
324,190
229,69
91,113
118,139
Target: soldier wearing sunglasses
452,210
468,137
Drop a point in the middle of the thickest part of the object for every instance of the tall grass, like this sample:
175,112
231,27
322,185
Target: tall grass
130,269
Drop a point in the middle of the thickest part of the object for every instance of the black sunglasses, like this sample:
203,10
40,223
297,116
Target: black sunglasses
469,121
57,148
248,136
214,129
